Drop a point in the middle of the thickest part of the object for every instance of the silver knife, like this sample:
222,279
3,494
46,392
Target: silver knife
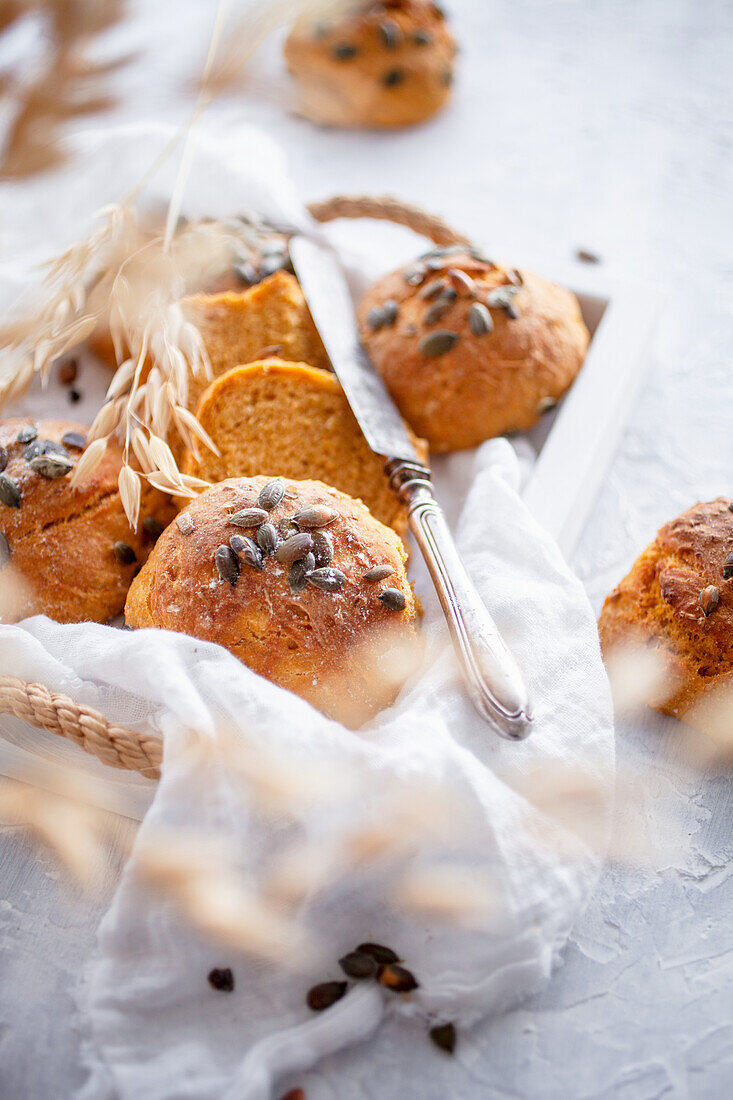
491,673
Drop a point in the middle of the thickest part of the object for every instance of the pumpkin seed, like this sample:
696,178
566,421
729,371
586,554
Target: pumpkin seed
249,517
277,262
152,528
221,979
268,538
293,548
51,465
587,257
390,34
545,404
477,255
344,51
227,563
75,440
437,311
393,599
27,434
359,965
390,310
709,600
271,494
378,573
125,554
326,994
247,273
287,527
185,523
4,550
322,548
397,978
422,38
432,290
728,568
443,1036
465,280
33,450
248,549
378,951
479,319
315,515
393,78
437,343
300,572
327,579
9,492
4,458
501,297
414,275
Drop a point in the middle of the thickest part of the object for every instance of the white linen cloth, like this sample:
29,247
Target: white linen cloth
155,1028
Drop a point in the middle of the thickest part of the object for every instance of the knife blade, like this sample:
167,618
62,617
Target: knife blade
491,673
329,300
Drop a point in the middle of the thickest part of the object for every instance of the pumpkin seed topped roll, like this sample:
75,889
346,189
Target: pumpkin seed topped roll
290,419
470,349
282,573
677,603
386,63
67,552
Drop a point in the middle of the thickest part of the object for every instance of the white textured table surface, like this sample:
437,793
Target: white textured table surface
607,125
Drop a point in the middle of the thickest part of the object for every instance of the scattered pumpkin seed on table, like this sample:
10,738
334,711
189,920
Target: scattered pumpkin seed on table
378,951
359,965
326,994
221,979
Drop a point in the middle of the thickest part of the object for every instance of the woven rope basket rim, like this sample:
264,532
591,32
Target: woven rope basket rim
88,728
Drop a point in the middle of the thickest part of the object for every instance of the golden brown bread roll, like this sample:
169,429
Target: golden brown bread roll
239,326
389,63
470,349
678,600
66,552
293,420
313,624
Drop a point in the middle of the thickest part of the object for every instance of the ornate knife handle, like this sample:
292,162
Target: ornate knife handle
491,673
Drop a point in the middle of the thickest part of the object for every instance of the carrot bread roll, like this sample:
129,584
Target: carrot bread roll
294,420
298,580
67,552
470,349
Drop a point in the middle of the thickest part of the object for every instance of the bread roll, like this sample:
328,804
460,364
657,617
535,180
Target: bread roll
386,64
303,614
677,601
66,552
470,349
291,419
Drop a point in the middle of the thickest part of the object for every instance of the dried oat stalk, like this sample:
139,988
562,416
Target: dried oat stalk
64,83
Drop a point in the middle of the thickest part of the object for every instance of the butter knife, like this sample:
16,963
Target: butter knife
491,673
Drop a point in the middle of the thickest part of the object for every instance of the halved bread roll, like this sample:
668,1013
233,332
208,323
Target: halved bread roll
293,421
